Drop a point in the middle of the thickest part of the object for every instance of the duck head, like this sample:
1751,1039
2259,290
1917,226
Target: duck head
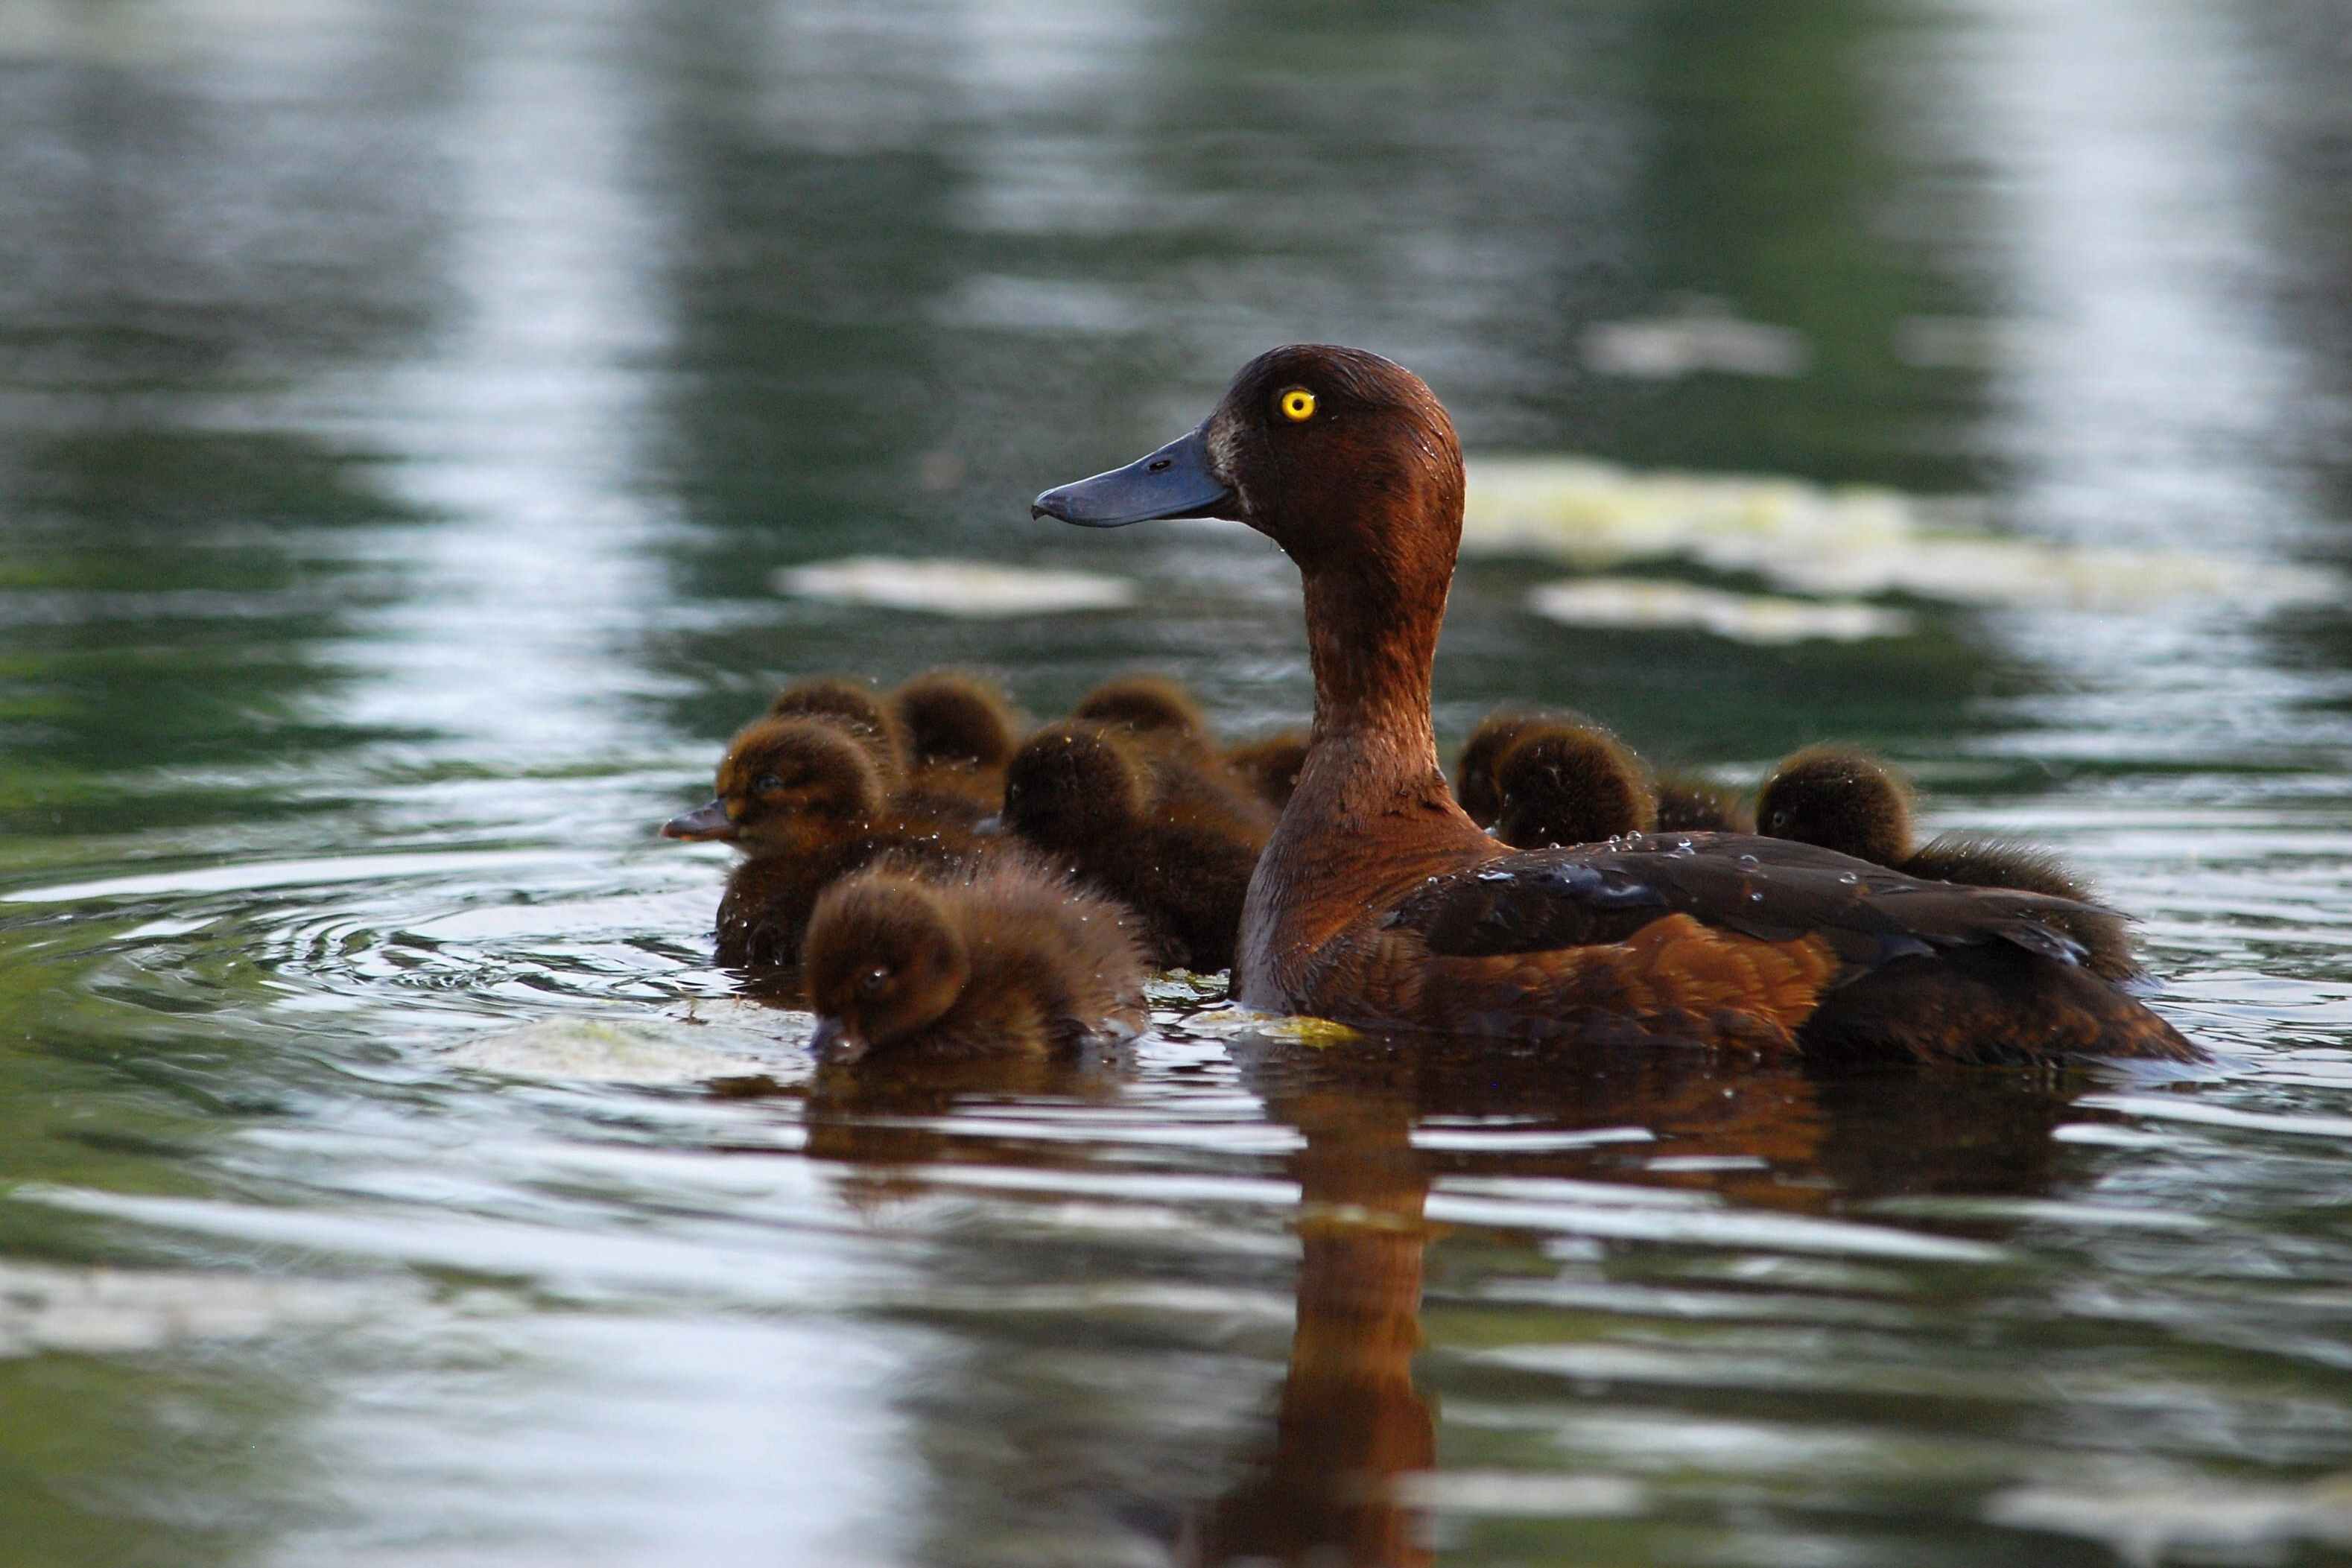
785,784
1839,798
883,958
1327,451
1073,781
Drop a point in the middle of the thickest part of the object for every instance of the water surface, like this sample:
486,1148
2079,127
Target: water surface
404,412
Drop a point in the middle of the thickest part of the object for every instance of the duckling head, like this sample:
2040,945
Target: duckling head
883,959
1839,798
845,701
785,784
1150,706
1474,789
951,716
1337,455
1072,781
1571,784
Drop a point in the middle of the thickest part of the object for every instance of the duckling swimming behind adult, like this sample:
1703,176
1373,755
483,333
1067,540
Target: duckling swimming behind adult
1005,958
1687,804
961,731
806,802
1151,829
1154,708
1475,789
1378,901
1570,784
1845,800
1270,766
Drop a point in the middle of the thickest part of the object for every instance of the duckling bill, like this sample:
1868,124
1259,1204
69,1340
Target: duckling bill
807,803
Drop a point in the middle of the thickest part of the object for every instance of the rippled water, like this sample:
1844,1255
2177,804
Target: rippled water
405,412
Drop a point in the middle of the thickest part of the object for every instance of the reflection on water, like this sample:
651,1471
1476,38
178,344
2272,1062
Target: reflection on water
409,412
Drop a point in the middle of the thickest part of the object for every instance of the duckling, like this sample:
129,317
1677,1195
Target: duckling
1689,804
1570,784
960,733
1473,770
1845,800
1154,708
1270,767
1151,830
1006,958
805,801
855,706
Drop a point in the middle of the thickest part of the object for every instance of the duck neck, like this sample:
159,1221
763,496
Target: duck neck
1371,636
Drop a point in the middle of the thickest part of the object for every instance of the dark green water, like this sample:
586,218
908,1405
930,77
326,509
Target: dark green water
404,407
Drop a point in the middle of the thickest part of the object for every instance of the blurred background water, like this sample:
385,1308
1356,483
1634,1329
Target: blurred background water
405,409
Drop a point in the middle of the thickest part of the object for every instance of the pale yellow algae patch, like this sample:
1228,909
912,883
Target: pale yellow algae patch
1660,604
1847,540
964,589
635,1051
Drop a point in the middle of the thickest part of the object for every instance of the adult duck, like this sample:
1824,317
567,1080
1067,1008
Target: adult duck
1844,799
1378,901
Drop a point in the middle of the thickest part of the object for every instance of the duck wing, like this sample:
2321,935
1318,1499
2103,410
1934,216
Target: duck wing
1771,889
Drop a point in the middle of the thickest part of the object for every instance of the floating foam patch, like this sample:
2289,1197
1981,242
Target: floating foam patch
1704,335
98,1311
648,1050
961,587
1848,540
1517,1494
2206,1521
1655,604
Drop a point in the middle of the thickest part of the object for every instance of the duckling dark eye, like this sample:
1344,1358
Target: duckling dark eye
873,980
1297,404
766,784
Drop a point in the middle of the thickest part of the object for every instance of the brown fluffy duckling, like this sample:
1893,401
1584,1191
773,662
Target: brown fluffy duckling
1842,799
960,733
805,800
855,706
1155,709
1007,957
1270,767
1570,784
1169,839
1473,769
1689,804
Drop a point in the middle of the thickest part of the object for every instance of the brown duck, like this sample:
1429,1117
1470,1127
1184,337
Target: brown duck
1845,800
1379,901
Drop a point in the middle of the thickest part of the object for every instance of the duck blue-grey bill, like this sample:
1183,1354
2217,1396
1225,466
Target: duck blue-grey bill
1173,482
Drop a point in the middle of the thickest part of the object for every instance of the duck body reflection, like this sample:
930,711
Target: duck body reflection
1451,1199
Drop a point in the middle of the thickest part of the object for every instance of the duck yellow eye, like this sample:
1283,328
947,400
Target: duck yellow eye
1297,404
